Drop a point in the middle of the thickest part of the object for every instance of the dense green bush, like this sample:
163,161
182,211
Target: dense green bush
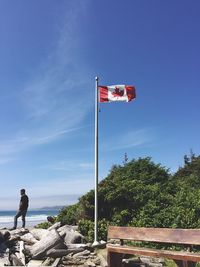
86,228
141,193
70,214
43,225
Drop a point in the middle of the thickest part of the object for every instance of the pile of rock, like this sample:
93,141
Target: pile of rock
55,246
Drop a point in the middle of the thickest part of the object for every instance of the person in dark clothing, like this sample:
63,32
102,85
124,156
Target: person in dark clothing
23,207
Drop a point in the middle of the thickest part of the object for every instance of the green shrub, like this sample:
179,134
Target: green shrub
43,225
86,228
69,215
143,194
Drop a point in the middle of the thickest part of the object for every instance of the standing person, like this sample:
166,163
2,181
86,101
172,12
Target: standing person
23,207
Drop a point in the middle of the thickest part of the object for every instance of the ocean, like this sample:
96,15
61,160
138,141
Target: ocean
32,217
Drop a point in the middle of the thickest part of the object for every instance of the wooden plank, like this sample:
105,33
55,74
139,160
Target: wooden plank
176,255
163,235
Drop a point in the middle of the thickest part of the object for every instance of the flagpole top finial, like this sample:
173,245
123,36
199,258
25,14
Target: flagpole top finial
96,78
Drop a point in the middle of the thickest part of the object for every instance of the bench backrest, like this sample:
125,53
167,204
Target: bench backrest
162,235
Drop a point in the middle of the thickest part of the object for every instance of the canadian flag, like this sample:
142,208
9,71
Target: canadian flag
116,93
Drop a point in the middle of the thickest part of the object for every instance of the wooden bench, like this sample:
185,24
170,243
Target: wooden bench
186,237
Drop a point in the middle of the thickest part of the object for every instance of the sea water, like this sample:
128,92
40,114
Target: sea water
32,217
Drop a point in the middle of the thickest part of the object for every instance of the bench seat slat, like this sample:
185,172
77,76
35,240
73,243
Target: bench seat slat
165,235
176,255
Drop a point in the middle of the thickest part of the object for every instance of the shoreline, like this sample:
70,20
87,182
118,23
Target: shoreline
29,224
33,218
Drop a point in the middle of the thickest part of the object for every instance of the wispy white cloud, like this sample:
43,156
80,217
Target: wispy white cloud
71,166
62,185
5,160
13,146
52,101
129,140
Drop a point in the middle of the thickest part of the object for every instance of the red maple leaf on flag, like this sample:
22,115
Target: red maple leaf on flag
118,92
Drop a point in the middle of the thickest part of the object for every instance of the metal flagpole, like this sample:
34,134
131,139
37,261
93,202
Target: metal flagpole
96,162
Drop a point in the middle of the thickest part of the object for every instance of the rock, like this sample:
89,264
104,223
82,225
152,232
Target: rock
50,219
145,260
133,262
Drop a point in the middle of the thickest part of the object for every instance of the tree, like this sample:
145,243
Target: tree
143,193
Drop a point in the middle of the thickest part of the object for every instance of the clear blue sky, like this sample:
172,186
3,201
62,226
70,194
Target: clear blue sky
50,53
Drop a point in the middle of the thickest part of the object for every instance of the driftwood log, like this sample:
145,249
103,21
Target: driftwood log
23,247
39,249
56,262
68,228
39,233
55,226
35,263
70,235
29,239
19,232
76,246
21,252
